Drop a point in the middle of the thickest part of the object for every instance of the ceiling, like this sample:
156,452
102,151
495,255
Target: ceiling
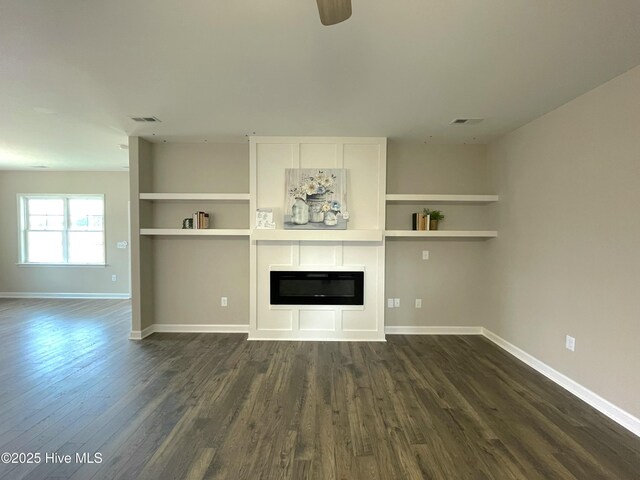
72,72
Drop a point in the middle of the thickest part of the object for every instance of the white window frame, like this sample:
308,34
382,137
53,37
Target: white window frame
23,228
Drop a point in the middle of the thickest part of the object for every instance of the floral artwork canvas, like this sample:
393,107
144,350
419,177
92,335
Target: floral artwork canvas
316,199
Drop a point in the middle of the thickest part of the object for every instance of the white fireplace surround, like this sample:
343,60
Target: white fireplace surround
365,161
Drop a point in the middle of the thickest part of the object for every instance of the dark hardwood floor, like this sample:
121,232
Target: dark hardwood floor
191,406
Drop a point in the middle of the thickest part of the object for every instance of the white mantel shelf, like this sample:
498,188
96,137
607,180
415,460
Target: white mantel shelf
440,199
442,233
318,235
184,232
195,196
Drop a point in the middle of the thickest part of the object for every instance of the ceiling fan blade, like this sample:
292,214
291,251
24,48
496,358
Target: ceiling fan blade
334,11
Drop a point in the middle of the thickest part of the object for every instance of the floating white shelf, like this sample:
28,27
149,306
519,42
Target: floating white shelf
223,232
196,196
318,235
441,199
442,233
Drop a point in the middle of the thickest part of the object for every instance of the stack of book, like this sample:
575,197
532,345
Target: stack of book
420,221
200,220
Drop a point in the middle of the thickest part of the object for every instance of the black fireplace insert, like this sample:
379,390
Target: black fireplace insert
317,288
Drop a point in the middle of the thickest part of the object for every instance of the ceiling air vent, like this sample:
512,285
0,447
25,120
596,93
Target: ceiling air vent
465,121
145,119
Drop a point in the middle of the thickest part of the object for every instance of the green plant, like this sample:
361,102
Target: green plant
434,214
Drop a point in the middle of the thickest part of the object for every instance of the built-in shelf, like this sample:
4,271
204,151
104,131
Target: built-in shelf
196,196
318,235
442,233
224,232
440,199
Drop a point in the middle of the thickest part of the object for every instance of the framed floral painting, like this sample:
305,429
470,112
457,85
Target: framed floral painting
316,199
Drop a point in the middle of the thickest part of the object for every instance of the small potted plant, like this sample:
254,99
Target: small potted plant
435,216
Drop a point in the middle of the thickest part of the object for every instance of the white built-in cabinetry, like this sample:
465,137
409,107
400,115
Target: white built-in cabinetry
162,197
360,247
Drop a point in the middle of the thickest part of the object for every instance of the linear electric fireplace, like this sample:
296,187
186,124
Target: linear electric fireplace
317,288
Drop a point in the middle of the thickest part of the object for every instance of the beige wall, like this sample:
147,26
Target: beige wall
452,283
67,279
567,259
187,276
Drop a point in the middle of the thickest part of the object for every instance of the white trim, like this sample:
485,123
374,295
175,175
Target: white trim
605,407
104,296
316,268
382,141
444,199
23,226
196,196
393,330
280,235
225,232
139,335
176,328
442,233
314,339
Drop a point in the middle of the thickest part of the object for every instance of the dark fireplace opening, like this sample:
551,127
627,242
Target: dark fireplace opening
317,288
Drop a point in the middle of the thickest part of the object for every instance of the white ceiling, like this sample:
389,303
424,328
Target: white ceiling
72,71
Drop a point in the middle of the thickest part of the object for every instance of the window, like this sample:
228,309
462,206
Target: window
62,229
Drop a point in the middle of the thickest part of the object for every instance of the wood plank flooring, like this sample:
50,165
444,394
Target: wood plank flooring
196,406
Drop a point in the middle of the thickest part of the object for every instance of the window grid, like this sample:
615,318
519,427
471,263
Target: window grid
66,227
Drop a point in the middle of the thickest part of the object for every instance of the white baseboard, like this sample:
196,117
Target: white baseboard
391,330
100,296
140,334
170,328
176,328
605,407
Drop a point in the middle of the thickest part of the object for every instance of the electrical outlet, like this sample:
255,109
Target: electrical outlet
425,254
114,278
396,302
570,343
390,303
418,303
223,301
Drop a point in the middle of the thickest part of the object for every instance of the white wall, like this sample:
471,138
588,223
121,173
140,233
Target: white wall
567,259
16,278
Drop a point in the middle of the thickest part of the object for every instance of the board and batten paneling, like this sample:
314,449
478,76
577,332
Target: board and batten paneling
365,161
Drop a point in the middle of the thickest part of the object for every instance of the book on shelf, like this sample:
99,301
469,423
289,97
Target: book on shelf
420,221
201,220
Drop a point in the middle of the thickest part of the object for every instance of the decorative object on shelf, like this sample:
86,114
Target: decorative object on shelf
300,212
187,224
264,219
436,216
311,195
200,220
